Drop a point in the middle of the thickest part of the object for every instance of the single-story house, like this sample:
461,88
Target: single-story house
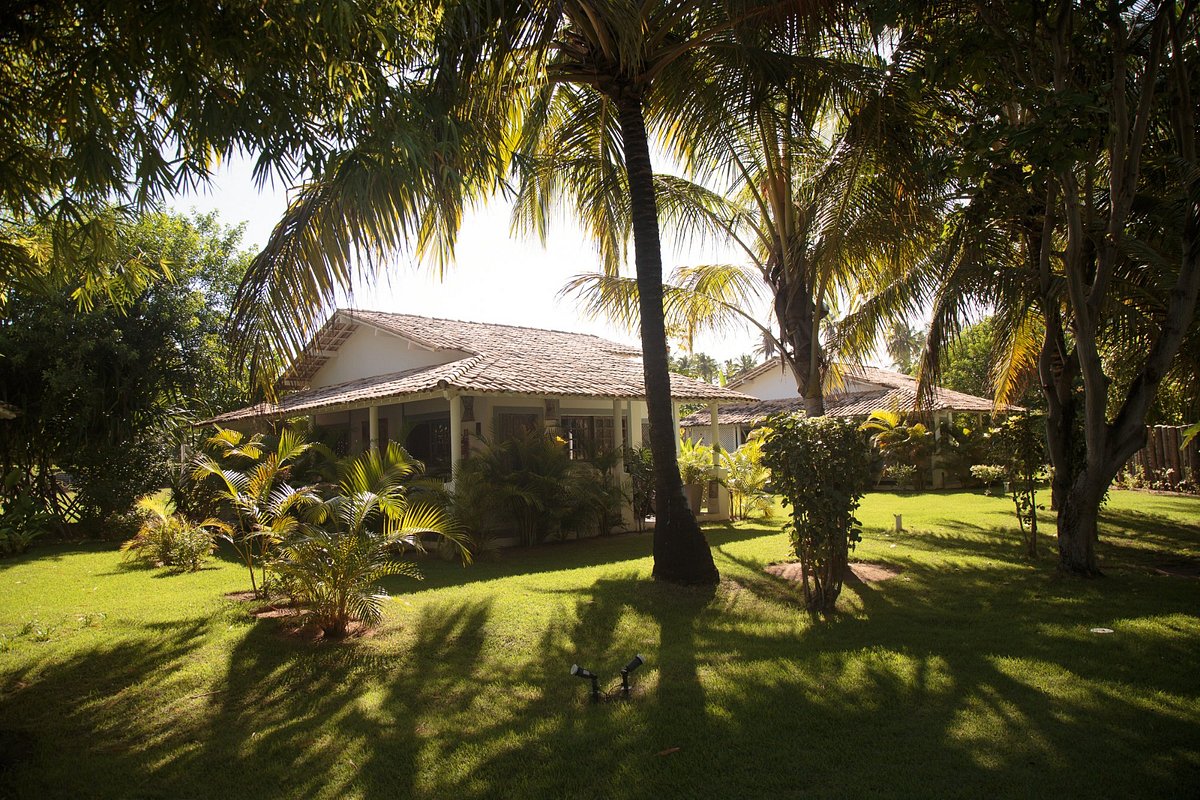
441,387
856,392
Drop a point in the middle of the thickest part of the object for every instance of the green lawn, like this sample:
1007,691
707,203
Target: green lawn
972,674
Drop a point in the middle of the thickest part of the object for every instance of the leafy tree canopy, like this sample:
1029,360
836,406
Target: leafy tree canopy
101,390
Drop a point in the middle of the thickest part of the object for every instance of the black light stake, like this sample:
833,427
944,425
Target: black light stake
580,672
634,663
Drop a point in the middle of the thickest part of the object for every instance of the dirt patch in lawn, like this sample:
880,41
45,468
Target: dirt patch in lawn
304,629
275,612
861,571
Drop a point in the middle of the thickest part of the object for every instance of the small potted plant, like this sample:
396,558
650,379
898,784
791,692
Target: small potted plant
695,467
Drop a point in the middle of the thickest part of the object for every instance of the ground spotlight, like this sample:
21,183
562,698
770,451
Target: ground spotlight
581,672
633,664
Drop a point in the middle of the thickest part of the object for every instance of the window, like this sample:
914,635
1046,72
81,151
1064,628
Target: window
429,441
511,425
588,437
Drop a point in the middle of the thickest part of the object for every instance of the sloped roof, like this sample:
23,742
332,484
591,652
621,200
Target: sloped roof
854,404
485,358
8,412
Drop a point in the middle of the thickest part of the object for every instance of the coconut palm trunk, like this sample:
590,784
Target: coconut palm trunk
681,553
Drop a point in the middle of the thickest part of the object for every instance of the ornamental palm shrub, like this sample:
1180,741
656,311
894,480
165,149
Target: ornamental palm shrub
821,466
596,494
747,477
530,485
333,561
695,462
250,480
900,442
167,538
639,463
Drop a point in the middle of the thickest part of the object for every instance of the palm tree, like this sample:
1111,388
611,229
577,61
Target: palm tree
904,344
334,559
821,198
251,481
495,74
1087,256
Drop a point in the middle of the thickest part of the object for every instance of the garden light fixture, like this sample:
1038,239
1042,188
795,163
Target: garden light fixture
633,664
581,672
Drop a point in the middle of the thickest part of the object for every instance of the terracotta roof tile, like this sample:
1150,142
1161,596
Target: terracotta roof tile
858,404
494,358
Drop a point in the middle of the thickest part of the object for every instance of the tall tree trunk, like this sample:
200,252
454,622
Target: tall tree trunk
797,315
1078,514
681,553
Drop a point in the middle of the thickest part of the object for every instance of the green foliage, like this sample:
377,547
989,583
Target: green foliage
822,468
169,539
639,463
333,561
969,362
22,519
119,104
106,392
695,461
988,475
963,443
903,475
747,477
899,442
249,477
904,344
1020,442
530,485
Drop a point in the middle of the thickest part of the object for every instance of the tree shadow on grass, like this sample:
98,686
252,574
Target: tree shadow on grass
89,709
517,724
977,680
551,557
869,703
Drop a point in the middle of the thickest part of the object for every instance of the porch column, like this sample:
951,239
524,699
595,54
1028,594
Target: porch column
716,503
456,430
618,440
373,427
675,425
714,434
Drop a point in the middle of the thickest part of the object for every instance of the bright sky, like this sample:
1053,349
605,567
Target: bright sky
497,278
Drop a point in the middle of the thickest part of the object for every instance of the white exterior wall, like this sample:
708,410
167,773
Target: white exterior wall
778,383
370,351
728,433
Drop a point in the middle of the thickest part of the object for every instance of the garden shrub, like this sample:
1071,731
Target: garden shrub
169,539
333,560
1020,444
695,462
22,519
900,442
530,485
903,475
988,474
639,463
747,477
821,467
250,480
